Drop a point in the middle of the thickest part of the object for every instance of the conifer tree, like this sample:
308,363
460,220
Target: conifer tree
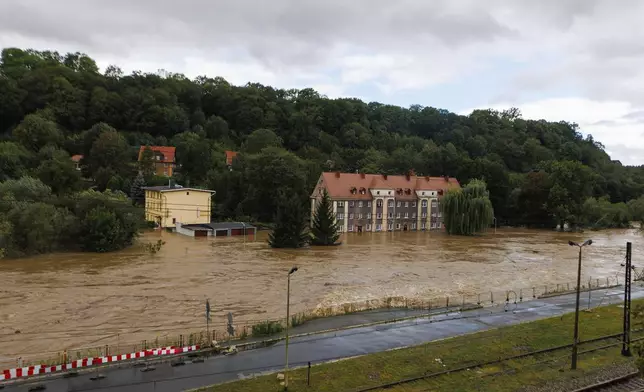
325,227
291,228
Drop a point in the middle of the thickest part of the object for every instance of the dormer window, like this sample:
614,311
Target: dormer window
408,191
363,191
354,190
399,191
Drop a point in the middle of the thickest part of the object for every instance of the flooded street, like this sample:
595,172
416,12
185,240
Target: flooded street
74,300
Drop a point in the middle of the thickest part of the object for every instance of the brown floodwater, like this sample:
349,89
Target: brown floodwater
72,300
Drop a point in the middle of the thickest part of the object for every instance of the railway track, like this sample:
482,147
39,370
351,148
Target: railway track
632,382
597,344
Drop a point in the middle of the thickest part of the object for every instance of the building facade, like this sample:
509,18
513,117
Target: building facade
169,205
163,157
379,202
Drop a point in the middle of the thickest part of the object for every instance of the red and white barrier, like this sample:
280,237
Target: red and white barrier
85,362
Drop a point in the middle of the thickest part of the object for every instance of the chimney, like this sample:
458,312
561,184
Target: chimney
426,178
384,176
412,173
408,176
337,174
446,178
362,176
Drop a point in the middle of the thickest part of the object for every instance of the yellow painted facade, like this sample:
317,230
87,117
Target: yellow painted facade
182,205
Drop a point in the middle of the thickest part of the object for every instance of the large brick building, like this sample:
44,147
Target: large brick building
379,202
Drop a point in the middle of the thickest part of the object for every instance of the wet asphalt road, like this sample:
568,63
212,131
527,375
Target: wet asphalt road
326,347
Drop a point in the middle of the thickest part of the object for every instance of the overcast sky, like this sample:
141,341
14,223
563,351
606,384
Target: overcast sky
575,60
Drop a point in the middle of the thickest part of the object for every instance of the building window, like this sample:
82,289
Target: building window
359,216
406,215
174,220
368,227
378,227
359,204
368,215
390,226
341,228
377,192
424,203
398,215
424,215
379,203
350,228
399,204
390,204
351,215
406,204
340,204
422,226
379,215
413,226
413,204
434,204
397,226
390,215
351,204
187,193
368,204
413,215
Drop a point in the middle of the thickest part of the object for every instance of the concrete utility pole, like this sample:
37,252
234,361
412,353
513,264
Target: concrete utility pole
573,364
288,303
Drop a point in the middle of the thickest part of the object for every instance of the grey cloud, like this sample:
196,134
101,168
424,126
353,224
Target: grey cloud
275,32
627,155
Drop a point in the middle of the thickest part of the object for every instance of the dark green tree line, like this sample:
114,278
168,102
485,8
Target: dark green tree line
538,173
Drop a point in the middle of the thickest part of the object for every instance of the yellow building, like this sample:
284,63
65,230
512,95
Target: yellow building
169,205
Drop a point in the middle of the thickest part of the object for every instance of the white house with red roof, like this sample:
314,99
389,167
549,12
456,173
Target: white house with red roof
380,202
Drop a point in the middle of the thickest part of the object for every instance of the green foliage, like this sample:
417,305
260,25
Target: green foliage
290,224
602,214
467,211
146,163
137,193
14,160
59,173
267,328
325,227
35,132
155,247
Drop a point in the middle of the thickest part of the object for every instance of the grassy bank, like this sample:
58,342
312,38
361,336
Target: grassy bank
549,368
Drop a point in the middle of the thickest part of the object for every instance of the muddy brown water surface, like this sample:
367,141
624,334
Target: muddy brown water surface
72,300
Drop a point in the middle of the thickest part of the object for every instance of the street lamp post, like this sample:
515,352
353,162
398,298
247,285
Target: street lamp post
573,364
288,302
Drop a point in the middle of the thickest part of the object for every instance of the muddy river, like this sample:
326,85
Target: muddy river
72,300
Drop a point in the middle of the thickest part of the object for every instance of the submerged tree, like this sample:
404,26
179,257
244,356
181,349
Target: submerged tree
467,211
290,224
325,226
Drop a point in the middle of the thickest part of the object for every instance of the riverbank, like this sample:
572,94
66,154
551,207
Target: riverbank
547,371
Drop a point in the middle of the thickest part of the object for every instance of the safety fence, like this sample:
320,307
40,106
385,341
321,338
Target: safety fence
220,332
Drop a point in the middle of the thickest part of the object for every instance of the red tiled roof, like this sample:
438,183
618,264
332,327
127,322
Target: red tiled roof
339,185
77,157
230,155
167,152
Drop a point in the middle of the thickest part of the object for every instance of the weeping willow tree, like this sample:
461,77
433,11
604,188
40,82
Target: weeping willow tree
467,211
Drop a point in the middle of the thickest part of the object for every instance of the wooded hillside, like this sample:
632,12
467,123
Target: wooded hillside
53,106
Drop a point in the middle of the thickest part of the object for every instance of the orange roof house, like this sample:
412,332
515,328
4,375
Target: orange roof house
230,155
77,159
380,202
164,159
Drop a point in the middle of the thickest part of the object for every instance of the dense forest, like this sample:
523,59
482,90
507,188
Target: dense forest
53,106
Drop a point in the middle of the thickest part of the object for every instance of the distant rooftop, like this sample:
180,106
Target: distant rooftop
167,188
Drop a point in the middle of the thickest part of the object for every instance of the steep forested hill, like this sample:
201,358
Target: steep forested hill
53,106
